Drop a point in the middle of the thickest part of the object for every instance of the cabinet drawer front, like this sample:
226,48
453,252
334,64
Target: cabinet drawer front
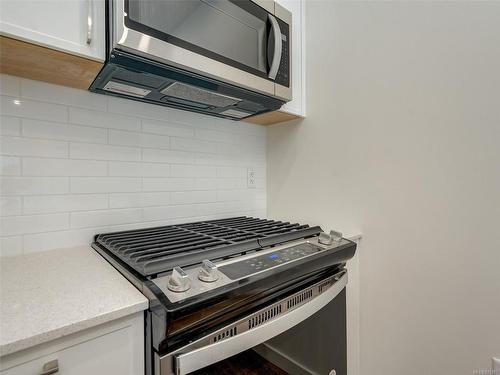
110,354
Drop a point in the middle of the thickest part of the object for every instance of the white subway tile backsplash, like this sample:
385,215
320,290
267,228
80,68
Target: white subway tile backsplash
12,106
261,183
103,152
125,200
240,128
10,165
182,219
118,137
137,109
103,119
230,149
10,206
134,169
9,85
76,163
10,125
190,118
64,203
33,147
192,171
208,210
165,128
15,225
214,135
231,183
231,172
34,243
205,184
170,212
223,160
167,156
63,167
168,184
46,92
34,185
104,184
105,217
186,197
144,224
63,132
235,206
241,195
193,145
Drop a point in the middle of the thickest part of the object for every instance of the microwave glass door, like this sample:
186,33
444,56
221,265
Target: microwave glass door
234,32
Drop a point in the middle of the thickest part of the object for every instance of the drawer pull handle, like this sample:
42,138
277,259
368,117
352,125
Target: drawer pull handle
50,367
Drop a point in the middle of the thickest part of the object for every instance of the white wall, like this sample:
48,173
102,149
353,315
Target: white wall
75,163
402,143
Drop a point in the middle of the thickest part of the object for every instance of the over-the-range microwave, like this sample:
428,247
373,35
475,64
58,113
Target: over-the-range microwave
226,58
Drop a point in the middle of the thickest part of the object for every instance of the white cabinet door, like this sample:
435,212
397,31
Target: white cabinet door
115,350
73,26
297,105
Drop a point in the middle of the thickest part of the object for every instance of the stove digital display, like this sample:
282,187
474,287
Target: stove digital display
260,263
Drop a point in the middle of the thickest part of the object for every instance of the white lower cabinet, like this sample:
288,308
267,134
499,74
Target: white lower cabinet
115,348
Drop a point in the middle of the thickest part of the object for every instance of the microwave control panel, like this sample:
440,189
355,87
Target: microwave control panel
283,76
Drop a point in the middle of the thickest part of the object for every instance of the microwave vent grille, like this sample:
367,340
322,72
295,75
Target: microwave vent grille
197,95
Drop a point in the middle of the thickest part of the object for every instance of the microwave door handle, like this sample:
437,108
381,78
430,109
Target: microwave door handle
278,46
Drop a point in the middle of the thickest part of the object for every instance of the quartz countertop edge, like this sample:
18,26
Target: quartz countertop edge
48,295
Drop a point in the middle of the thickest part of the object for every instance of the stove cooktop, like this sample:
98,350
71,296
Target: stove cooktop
201,275
152,251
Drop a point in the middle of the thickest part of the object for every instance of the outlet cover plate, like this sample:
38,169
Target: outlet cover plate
251,178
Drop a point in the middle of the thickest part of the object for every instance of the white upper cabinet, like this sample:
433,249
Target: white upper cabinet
73,26
297,106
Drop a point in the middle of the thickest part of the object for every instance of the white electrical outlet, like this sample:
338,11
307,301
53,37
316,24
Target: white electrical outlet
495,365
251,178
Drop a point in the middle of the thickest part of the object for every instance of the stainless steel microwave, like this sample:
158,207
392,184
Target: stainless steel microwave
228,58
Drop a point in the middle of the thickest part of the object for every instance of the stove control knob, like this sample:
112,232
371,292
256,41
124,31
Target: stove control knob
325,239
330,238
208,272
179,280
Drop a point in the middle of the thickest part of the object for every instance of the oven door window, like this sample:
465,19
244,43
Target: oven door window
231,31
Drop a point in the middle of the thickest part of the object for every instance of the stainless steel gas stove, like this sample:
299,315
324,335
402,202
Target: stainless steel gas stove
219,287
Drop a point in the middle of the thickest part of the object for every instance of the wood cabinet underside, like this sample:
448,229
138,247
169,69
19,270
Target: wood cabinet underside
39,63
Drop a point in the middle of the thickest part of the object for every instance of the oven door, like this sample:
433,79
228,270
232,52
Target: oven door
251,330
238,42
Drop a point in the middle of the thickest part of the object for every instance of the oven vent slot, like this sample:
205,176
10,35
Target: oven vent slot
224,335
271,312
264,317
297,300
325,285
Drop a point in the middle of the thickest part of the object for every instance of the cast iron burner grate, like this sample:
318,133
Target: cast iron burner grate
151,251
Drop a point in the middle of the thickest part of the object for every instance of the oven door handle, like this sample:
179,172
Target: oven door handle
207,355
278,46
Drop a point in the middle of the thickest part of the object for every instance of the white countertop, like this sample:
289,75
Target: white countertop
47,295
